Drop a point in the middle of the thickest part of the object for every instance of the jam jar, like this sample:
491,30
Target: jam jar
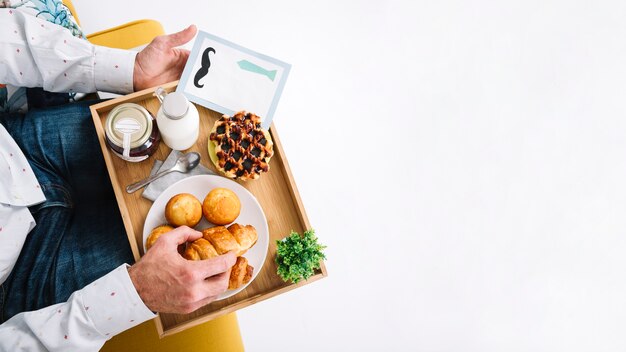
131,132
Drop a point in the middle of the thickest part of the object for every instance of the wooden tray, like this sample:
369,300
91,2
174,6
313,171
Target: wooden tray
276,192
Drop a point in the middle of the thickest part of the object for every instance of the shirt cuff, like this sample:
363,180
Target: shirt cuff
113,304
113,69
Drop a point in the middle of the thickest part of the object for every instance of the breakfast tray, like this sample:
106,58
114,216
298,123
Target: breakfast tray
275,191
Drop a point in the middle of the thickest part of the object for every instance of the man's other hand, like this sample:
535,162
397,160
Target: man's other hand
169,283
161,61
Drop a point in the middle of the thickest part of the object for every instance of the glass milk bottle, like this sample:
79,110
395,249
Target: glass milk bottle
177,119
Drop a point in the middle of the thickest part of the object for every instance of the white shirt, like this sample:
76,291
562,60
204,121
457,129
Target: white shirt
36,53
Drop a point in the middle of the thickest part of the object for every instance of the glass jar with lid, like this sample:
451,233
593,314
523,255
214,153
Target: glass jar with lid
131,132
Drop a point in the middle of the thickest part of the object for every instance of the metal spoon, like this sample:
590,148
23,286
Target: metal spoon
184,164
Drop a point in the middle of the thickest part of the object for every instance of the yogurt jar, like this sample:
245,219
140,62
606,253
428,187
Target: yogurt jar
131,132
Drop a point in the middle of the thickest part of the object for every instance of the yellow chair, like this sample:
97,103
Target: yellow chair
221,334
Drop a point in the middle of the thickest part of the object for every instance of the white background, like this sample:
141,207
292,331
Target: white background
464,161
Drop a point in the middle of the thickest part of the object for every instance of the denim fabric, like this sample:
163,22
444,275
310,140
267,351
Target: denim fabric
79,235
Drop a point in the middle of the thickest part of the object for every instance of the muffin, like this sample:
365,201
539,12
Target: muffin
156,233
221,206
183,209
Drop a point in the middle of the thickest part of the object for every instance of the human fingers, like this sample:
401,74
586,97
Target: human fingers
186,308
181,235
214,266
213,286
217,284
183,56
182,37
199,294
204,302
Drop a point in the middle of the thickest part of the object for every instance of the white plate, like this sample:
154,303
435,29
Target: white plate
199,186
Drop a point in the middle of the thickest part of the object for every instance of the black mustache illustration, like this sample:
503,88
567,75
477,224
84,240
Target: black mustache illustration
204,69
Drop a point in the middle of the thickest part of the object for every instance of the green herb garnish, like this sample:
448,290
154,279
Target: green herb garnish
298,256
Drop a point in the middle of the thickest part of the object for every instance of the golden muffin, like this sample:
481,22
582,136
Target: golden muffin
156,233
183,209
221,206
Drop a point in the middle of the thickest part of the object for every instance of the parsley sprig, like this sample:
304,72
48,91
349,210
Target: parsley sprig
298,256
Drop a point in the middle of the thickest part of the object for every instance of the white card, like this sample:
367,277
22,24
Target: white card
227,78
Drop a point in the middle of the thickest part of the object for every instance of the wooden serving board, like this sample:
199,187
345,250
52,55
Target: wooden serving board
276,191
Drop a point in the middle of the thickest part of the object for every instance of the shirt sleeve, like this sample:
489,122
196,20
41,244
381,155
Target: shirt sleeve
85,322
37,53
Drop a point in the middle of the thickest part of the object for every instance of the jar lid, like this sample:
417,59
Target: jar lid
130,120
175,105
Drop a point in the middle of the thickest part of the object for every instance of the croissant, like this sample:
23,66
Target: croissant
246,236
234,238
219,240
200,249
240,274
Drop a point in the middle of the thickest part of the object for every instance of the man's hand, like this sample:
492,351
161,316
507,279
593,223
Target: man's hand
161,62
169,283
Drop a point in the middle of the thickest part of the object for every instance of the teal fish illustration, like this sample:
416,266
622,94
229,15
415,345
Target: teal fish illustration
249,66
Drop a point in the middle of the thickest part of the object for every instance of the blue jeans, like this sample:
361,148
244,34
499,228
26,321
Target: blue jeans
79,235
